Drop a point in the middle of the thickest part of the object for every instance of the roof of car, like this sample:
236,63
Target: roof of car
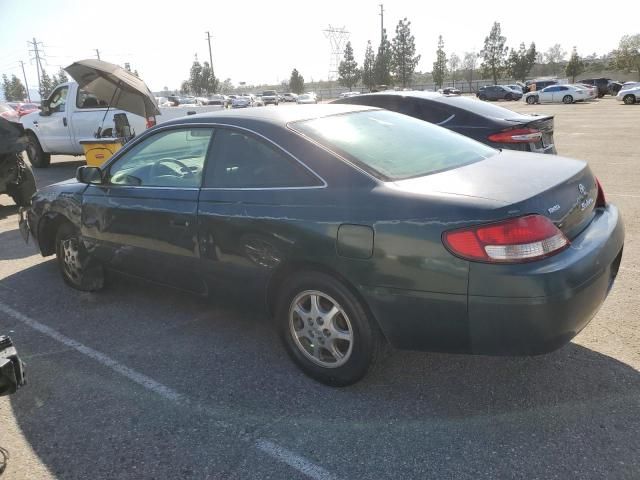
276,116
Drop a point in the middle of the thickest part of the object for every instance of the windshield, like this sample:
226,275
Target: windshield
392,146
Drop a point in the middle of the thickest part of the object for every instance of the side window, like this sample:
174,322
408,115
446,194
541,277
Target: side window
240,160
58,100
173,158
88,100
562,89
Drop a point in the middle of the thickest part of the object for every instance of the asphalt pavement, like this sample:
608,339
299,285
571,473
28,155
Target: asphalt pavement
143,382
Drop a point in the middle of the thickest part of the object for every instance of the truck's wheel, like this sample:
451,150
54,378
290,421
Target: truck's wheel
326,330
37,156
79,270
22,193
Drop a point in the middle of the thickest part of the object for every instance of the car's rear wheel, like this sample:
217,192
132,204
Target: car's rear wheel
37,157
629,99
79,270
326,330
567,99
508,97
532,99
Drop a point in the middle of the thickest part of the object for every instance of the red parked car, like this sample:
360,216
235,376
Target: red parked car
8,113
24,108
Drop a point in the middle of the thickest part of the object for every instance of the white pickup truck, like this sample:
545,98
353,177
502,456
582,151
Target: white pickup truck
70,114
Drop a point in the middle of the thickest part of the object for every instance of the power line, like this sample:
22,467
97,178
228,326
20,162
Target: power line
36,51
381,22
337,39
26,85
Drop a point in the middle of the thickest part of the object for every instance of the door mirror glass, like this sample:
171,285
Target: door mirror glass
89,175
44,109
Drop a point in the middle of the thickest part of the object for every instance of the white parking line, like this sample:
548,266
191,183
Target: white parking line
293,460
277,452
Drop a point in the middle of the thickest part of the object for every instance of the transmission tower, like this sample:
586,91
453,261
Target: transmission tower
338,38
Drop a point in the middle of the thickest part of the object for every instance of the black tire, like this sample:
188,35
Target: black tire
629,99
37,157
508,97
79,270
567,99
365,348
600,95
22,193
531,99
482,97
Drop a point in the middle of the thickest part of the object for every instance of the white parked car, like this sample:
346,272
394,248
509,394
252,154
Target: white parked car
557,94
243,101
307,98
592,90
629,95
348,94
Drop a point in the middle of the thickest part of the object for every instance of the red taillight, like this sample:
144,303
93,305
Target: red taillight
516,240
519,135
601,200
151,121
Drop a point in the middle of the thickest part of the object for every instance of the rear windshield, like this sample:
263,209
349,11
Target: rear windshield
391,146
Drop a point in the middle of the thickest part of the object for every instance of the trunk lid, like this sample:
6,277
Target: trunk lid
562,189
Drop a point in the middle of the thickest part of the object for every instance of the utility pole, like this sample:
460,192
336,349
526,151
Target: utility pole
36,52
210,57
26,85
98,53
381,22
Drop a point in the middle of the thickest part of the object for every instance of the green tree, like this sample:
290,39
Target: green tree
368,67
18,92
6,87
627,55
454,65
521,61
404,58
209,83
46,84
195,78
62,76
384,59
554,55
227,86
296,82
440,65
494,53
348,71
469,63
575,66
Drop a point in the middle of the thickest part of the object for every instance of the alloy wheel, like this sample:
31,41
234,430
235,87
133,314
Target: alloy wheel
71,260
321,329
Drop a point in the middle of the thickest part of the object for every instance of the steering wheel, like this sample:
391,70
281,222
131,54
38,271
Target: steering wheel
186,172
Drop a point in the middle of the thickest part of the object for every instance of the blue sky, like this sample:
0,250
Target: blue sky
258,42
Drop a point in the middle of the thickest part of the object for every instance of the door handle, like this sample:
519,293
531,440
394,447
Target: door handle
64,121
35,123
179,223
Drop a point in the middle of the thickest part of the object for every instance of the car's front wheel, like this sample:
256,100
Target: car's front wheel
326,330
629,99
37,156
79,270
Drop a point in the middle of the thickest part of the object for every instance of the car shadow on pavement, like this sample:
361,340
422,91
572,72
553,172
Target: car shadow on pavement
573,413
7,210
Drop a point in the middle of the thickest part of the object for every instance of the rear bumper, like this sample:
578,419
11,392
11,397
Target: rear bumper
522,309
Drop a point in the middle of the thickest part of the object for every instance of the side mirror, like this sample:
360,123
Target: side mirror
45,111
89,175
